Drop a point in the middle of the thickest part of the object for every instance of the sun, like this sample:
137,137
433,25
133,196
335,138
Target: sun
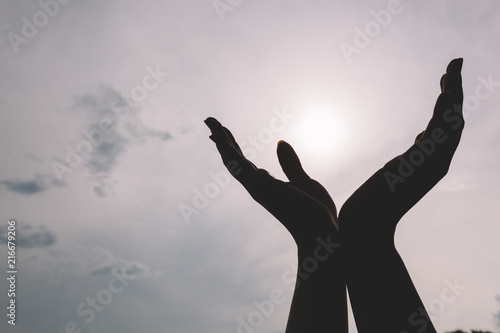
320,130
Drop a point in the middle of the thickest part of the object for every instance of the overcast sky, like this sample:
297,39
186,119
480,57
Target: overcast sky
119,195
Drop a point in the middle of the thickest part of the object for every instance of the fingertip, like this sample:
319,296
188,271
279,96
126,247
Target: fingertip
290,162
282,144
214,125
210,123
452,80
285,151
208,120
455,65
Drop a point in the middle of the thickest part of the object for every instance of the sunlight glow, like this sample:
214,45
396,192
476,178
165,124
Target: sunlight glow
320,130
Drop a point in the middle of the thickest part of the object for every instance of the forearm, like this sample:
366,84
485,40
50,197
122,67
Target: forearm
319,302
382,294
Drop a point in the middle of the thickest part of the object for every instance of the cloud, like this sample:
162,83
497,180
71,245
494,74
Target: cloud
136,269
113,124
38,184
104,186
101,108
106,155
163,136
24,187
59,265
29,236
100,191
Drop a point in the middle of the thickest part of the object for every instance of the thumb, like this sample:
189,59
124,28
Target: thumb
290,162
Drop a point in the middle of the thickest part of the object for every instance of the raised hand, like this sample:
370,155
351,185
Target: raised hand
306,209
382,295
302,205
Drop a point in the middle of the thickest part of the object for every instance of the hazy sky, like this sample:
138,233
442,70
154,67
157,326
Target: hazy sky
121,199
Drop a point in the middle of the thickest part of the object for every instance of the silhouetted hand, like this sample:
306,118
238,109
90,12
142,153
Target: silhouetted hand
381,293
306,209
302,205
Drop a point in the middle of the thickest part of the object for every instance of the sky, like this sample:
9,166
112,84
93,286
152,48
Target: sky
125,218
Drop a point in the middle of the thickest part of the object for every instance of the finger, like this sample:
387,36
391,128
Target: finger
220,133
224,142
216,128
451,97
452,81
222,137
290,162
237,146
241,168
233,141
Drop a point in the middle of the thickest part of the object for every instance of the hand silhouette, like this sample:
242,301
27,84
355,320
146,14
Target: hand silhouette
382,295
306,209
302,205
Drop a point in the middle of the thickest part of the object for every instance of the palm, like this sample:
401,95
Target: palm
302,205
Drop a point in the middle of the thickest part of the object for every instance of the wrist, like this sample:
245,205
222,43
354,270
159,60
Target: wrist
320,249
